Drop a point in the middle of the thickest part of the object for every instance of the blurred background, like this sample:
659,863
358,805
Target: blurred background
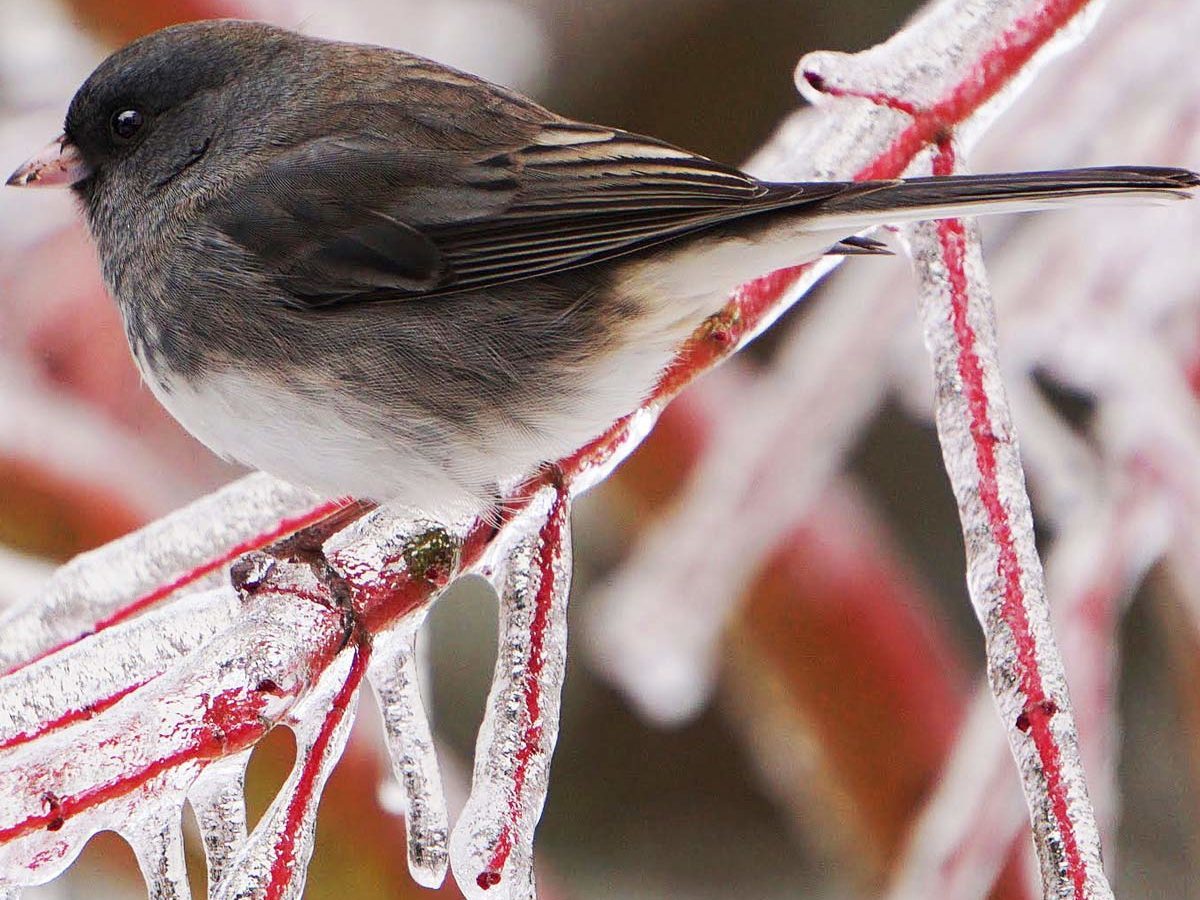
817,705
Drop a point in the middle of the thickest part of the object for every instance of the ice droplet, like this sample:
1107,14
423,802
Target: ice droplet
218,799
393,675
156,837
492,843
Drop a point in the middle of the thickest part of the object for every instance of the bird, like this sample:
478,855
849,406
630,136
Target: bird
377,276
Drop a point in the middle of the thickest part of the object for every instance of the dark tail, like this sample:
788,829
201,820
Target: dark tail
914,199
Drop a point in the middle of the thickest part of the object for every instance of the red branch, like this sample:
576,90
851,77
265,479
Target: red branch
71,716
995,68
550,547
305,796
231,723
1038,708
285,527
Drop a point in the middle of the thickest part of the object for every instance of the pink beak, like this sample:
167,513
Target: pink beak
58,165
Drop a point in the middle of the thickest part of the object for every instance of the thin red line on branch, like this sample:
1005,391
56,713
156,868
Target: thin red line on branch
550,541
994,69
817,80
257,542
1038,708
231,723
306,794
285,527
71,716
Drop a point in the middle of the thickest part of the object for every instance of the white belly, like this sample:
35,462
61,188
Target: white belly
310,441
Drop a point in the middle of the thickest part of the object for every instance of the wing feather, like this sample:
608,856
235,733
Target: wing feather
368,219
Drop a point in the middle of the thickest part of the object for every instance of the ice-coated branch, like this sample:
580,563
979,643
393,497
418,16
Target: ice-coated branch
492,843
1004,573
1101,555
66,783
273,861
99,589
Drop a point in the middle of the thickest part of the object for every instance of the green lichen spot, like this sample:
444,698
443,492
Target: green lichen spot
432,555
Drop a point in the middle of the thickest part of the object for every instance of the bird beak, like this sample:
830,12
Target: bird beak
60,164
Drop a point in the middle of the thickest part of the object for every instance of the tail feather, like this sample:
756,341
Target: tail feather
887,202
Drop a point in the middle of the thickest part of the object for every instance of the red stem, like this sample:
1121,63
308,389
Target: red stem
306,794
995,68
550,546
145,601
1038,709
71,716
231,722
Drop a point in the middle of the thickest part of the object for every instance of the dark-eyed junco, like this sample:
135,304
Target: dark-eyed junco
374,275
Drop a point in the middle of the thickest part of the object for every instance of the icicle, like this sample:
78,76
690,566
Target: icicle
393,675
492,844
273,862
157,841
218,799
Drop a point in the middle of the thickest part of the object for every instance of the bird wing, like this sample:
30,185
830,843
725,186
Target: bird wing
360,218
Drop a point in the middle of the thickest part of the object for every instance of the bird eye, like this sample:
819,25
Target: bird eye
126,123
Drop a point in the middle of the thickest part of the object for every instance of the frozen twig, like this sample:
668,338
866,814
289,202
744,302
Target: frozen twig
1004,573
182,550
493,840
1101,555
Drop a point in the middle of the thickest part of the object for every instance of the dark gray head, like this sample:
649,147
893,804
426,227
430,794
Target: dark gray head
213,100
158,106
196,99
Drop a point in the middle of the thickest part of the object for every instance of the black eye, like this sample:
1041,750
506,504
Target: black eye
126,123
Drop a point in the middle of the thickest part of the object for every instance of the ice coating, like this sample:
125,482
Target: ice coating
1004,573
218,799
95,587
156,836
220,701
1108,304
93,674
1104,549
662,653
491,846
393,675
